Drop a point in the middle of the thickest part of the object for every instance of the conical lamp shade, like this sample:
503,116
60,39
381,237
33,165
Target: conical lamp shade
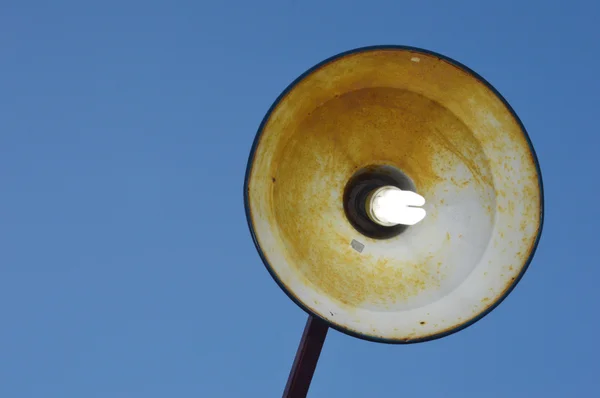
419,121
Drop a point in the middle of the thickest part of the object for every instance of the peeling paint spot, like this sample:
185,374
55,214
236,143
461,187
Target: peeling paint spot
356,245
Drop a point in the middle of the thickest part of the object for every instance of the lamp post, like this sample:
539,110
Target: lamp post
394,195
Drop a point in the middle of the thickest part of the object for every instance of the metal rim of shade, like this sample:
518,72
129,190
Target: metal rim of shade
339,328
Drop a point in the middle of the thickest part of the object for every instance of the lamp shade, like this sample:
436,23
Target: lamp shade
418,121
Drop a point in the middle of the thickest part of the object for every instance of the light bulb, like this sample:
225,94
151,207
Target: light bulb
389,206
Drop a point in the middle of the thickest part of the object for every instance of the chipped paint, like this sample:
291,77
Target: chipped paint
452,136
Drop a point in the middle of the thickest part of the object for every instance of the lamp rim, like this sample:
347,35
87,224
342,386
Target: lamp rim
342,329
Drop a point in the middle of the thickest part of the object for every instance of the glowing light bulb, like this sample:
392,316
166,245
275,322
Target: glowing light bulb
389,206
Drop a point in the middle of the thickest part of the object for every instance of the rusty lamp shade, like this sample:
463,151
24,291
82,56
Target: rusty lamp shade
406,117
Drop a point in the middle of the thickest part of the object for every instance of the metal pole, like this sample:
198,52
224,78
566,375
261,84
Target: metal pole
306,359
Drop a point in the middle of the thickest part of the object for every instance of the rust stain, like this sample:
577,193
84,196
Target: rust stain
511,208
523,225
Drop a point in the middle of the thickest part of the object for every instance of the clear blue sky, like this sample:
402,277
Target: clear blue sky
126,265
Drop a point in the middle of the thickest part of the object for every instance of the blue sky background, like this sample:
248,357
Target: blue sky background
126,265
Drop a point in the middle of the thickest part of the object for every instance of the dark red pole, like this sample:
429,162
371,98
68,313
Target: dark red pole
306,359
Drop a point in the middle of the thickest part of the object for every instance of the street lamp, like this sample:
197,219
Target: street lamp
394,195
